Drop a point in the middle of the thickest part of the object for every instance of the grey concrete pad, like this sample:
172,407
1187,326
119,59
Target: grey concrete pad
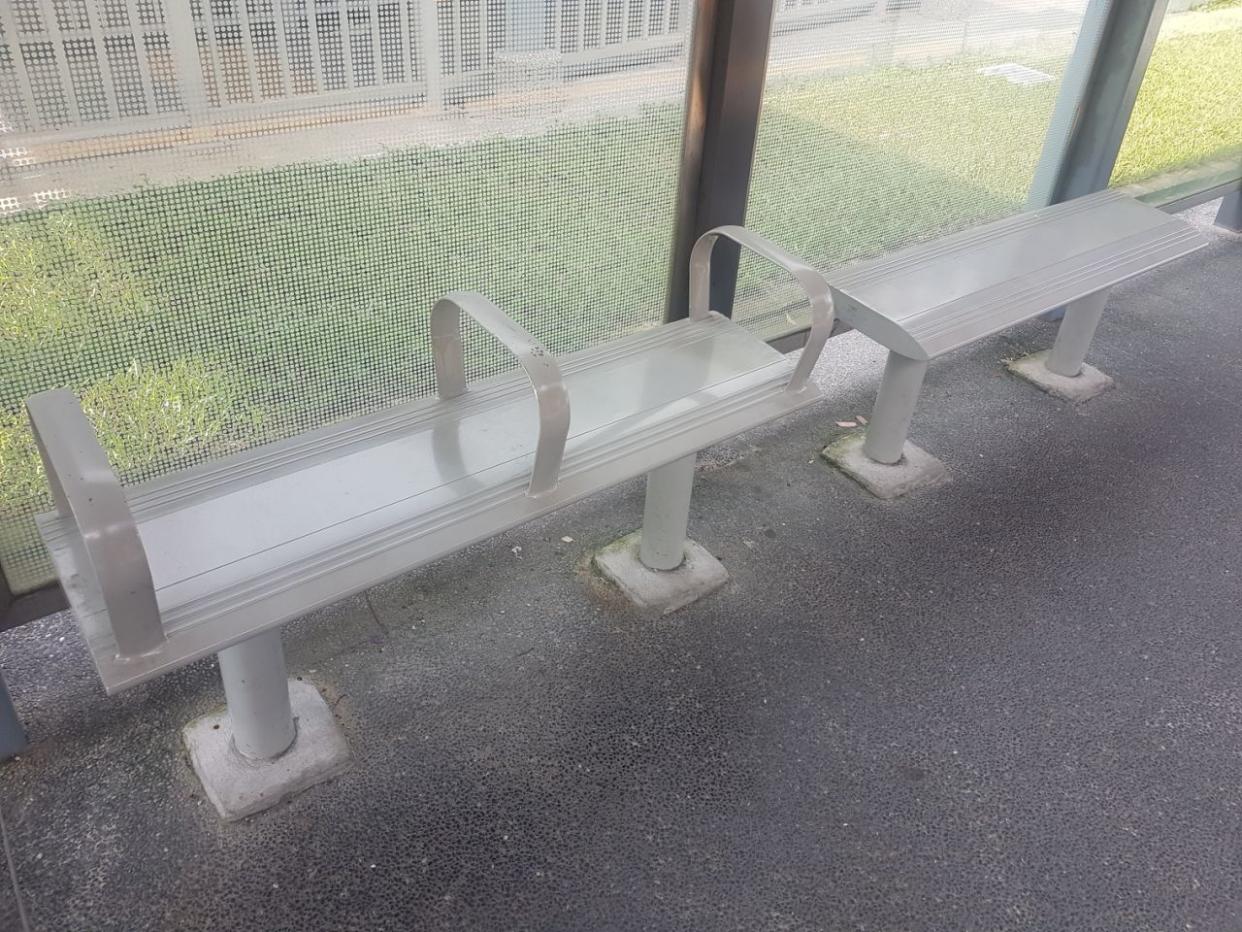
917,468
660,591
1082,387
238,786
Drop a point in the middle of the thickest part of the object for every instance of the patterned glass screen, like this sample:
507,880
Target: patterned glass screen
226,221
886,123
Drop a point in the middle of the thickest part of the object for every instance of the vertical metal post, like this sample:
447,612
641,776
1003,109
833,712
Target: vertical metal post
666,514
724,94
1107,98
257,692
1229,217
12,735
1075,83
1069,350
894,408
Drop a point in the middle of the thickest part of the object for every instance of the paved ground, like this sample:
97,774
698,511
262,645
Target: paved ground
1013,702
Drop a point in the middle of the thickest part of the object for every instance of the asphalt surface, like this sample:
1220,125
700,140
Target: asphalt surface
1011,702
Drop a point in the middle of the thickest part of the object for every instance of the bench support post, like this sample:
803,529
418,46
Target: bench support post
894,408
666,515
1074,336
257,694
274,738
1229,217
658,568
12,735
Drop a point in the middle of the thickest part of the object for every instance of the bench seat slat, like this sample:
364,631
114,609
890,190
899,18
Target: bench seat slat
245,544
932,298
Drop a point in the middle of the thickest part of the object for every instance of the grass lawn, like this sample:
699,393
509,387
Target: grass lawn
206,317
1189,108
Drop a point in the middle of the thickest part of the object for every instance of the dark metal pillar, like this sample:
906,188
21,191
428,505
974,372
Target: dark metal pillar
724,94
12,735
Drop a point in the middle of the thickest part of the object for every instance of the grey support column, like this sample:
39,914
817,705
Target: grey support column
666,514
1229,217
894,408
257,693
1073,341
883,461
1062,371
659,568
12,735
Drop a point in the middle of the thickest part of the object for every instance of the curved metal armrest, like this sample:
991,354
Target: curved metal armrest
540,365
814,284
86,490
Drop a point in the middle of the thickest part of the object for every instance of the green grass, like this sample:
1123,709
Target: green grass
1189,108
201,318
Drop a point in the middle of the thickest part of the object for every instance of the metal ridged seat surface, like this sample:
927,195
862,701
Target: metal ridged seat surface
935,297
244,544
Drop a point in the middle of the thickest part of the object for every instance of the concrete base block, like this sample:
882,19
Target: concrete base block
917,469
660,591
1082,387
238,786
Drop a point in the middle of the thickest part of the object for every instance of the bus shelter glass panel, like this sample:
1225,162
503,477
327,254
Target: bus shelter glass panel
226,222
889,122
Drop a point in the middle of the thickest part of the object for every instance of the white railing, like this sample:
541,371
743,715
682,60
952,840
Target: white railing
84,67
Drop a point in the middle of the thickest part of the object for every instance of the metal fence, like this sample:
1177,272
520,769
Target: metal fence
86,67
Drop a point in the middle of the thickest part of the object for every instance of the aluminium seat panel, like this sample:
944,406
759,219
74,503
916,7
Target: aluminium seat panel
241,545
934,297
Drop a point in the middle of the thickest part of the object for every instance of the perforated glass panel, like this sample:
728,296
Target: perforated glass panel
889,122
1189,108
226,221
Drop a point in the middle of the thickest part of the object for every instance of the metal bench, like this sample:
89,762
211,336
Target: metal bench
935,297
215,558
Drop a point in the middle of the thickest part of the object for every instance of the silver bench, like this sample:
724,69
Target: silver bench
935,297
215,558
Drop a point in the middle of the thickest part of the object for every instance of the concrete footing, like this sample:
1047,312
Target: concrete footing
916,469
1076,389
660,591
239,786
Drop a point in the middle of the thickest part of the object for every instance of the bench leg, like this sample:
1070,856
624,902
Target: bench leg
658,568
1229,217
894,409
1062,371
666,514
275,737
257,693
12,735
1074,336
882,461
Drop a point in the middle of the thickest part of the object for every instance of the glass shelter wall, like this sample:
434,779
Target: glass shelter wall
226,221
889,122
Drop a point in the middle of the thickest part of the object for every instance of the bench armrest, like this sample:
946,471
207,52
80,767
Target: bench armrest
540,365
814,284
86,491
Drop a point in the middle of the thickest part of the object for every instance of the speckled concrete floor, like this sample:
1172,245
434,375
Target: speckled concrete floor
1013,702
